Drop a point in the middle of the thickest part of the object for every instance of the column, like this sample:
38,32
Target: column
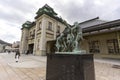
43,37
24,42
35,40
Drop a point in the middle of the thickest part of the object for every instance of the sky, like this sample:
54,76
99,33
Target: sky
13,13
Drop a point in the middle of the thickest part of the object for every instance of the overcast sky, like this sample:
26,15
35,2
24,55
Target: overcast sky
13,13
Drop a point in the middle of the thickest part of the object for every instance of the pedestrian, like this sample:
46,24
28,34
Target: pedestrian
17,55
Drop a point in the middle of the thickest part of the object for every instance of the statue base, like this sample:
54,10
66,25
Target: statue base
70,66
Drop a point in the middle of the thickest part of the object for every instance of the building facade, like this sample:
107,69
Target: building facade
46,27
101,38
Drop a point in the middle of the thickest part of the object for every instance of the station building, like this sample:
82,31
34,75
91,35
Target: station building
101,38
46,27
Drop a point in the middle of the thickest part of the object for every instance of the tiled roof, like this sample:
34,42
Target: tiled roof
106,25
3,42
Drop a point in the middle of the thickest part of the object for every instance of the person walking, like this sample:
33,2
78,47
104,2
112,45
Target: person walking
17,55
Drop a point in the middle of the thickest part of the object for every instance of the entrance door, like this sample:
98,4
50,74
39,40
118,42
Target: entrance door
51,47
30,48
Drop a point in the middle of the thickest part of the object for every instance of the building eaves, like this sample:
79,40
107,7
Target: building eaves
46,9
28,25
54,17
107,25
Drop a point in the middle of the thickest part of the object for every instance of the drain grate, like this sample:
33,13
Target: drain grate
116,66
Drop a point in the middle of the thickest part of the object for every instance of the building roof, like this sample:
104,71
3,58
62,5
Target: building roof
91,22
46,9
28,24
5,43
107,25
96,25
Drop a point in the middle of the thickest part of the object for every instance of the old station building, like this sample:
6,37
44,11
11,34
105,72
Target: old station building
46,27
101,38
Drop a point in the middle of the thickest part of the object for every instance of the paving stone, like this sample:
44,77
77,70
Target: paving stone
103,70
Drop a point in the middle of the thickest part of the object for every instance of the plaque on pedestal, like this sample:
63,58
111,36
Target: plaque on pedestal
70,67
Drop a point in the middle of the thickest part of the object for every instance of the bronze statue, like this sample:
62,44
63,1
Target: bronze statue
78,37
70,39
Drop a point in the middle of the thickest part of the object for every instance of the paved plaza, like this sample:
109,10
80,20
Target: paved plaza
32,67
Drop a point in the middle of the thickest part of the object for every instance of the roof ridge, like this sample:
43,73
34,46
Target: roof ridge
89,20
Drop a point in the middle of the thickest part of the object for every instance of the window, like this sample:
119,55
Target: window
94,46
58,29
113,47
33,35
34,31
40,26
30,33
49,26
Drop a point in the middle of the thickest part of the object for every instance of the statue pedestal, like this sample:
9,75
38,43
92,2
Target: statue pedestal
70,67
76,52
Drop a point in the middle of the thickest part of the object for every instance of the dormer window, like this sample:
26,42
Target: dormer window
46,10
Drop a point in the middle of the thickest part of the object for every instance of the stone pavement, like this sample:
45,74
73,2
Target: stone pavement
28,68
105,71
32,67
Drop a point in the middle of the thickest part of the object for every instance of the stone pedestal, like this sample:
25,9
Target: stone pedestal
70,67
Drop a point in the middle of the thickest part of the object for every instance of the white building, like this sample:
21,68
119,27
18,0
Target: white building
46,27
